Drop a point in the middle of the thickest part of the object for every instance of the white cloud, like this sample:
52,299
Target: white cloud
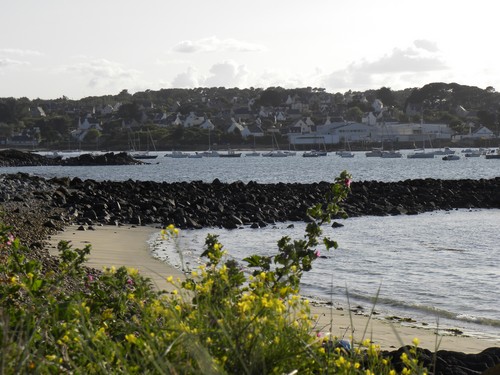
213,44
187,79
399,64
426,45
227,74
19,52
104,73
6,62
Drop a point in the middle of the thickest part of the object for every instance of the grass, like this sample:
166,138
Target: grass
219,320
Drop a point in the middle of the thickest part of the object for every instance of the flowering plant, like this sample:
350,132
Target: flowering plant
219,320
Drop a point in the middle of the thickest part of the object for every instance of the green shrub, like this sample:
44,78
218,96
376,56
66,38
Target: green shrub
218,320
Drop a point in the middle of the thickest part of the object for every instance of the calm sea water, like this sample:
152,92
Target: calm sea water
439,268
271,170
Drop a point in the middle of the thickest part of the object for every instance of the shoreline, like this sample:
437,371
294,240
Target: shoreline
129,246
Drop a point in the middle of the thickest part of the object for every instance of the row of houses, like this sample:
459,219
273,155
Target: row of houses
290,121
305,132
337,131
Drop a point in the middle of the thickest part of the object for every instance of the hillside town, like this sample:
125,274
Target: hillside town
300,119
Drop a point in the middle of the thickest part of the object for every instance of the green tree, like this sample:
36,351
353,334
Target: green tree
129,111
272,97
354,114
386,95
92,136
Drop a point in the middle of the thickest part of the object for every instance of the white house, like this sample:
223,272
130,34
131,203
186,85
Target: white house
207,125
84,127
302,126
369,119
193,120
252,131
234,125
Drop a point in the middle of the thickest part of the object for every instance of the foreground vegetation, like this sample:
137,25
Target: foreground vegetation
220,320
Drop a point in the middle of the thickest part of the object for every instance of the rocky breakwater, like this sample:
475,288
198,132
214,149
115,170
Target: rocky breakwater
16,158
197,204
230,205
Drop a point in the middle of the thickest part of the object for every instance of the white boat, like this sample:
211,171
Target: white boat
374,153
345,154
493,154
391,154
421,155
209,154
473,154
314,154
275,154
446,151
230,154
178,155
194,156
254,153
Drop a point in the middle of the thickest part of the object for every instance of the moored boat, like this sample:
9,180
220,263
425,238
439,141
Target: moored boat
391,154
209,154
143,155
374,153
314,153
178,155
493,154
230,154
345,154
275,154
451,157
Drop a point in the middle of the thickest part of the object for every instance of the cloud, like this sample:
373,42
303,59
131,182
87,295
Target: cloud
6,62
104,73
213,44
227,74
187,79
420,59
19,52
426,45
223,74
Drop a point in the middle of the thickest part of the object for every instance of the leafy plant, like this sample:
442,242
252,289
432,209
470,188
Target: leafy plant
219,320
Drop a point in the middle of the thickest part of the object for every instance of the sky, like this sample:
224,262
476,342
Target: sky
80,48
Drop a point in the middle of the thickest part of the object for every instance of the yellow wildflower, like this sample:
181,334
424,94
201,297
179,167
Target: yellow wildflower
131,338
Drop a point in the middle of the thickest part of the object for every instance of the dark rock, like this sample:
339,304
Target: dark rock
444,362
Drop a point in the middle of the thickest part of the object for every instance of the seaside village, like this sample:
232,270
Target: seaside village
305,124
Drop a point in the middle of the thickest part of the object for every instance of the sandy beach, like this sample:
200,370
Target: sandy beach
128,246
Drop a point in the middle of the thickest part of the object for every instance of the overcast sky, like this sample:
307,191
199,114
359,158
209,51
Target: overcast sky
79,48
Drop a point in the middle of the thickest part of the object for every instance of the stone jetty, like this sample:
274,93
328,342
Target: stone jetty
198,204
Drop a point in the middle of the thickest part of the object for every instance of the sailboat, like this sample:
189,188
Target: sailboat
209,153
254,152
421,153
347,152
146,154
275,152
